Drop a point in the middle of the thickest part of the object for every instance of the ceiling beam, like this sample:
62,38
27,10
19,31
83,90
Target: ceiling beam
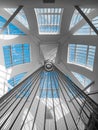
11,18
87,19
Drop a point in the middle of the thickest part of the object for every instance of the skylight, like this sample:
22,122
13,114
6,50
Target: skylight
11,29
77,16
21,17
82,79
48,87
49,20
85,30
16,80
82,55
95,22
16,54
79,24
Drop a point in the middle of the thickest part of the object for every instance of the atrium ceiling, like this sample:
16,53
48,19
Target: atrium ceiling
44,46
54,32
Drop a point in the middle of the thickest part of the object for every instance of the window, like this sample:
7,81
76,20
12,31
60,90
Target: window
16,80
49,20
80,25
82,79
76,18
11,29
21,17
49,87
16,54
85,30
95,22
82,55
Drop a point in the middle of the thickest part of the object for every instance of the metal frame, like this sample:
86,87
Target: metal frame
11,18
87,19
85,107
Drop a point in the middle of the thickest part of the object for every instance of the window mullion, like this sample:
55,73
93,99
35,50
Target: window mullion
75,55
23,53
11,55
87,56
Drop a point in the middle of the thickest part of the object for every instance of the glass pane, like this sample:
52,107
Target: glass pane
16,54
21,17
82,79
16,79
49,87
81,55
76,18
49,20
11,28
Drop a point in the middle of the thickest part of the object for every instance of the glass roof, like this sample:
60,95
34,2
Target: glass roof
82,55
16,54
95,22
49,91
77,16
11,29
16,80
85,30
82,79
49,20
21,17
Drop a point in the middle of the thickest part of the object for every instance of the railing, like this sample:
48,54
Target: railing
49,92
86,105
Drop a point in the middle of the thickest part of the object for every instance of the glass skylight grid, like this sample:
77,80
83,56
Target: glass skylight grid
21,17
49,20
85,30
48,87
91,55
77,16
16,80
95,22
16,54
82,55
11,29
82,79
